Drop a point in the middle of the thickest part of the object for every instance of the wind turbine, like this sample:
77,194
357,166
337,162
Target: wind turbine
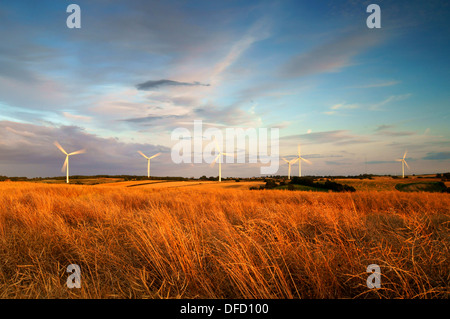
403,163
300,159
218,157
148,161
290,163
66,162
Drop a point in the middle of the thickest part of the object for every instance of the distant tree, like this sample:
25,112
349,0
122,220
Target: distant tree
305,181
270,184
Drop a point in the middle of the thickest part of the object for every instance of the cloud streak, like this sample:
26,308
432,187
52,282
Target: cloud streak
437,156
338,137
329,57
150,85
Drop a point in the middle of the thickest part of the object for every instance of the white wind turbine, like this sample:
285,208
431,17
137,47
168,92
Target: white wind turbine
218,157
148,161
66,162
300,159
403,163
290,163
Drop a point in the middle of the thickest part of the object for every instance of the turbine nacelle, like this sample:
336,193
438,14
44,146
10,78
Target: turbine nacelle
148,161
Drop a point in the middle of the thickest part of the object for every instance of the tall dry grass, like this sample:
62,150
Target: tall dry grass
185,243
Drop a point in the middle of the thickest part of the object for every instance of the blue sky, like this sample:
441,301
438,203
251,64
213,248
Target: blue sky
355,98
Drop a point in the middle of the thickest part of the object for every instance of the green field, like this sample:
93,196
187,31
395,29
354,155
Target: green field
433,187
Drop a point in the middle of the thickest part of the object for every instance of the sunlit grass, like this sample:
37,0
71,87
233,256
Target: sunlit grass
221,243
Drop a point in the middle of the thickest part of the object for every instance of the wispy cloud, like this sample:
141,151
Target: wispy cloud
338,137
380,162
331,56
392,98
387,130
341,106
257,32
77,117
383,127
149,85
344,106
150,118
376,85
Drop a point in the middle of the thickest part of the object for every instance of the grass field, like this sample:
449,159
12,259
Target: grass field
211,240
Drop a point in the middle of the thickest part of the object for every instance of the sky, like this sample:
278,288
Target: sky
354,98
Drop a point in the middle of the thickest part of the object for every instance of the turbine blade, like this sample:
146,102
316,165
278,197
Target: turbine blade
299,150
285,160
155,155
78,152
227,154
142,154
65,164
305,160
404,156
295,160
60,147
215,160
399,160
406,163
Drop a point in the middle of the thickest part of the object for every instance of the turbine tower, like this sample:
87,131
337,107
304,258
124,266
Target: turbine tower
148,161
300,159
218,157
66,162
290,163
403,163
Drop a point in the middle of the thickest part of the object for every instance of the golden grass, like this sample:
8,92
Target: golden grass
220,243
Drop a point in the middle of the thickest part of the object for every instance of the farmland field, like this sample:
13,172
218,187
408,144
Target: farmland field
156,239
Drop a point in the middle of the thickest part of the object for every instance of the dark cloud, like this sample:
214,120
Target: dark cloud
231,115
149,85
437,156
